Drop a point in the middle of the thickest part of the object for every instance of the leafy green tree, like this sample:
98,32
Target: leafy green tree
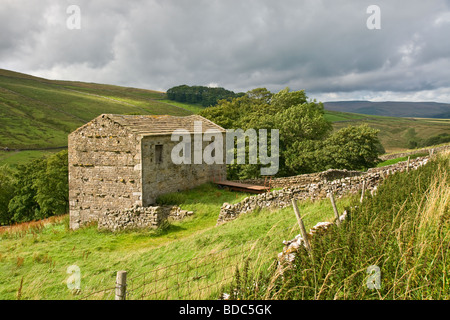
307,143
296,118
304,157
205,96
40,188
52,186
23,205
352,147
6,193
411,138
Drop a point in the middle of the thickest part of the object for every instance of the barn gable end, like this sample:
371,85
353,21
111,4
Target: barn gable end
104,170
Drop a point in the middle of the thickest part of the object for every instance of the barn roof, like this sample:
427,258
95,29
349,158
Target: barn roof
161,124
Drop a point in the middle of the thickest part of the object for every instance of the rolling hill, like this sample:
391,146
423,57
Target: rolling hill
393,108
37,114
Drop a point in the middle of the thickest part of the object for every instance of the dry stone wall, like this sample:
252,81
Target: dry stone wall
329,175
316,190
424,150
140,218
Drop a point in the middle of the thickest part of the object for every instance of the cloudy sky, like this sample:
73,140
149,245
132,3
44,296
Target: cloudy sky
324,47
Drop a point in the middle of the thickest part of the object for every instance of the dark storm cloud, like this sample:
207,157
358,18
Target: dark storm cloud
320,46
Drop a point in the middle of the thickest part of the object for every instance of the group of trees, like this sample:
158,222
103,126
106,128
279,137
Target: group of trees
36,190
205,96
307,142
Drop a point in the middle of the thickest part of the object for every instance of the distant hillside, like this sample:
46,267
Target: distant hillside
393,109
39,113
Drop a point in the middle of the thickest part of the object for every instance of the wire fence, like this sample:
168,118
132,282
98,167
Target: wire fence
201,277
188,279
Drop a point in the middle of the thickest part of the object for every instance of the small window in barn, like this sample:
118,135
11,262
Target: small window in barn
158,153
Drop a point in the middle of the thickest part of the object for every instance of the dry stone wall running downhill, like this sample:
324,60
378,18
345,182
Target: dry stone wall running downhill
410,153
340,182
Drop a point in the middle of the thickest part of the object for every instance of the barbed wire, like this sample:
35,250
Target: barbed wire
96,292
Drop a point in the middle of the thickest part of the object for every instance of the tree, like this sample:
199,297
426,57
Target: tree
52,186
40,188
352,147
23,205
306,141
296,118
6,193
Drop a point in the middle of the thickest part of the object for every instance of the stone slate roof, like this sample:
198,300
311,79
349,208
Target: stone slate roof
160,124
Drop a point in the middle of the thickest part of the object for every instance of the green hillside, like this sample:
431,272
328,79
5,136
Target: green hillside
39,113
393,108
394,132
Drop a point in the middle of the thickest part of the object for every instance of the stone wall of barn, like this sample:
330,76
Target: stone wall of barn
160,175
104,170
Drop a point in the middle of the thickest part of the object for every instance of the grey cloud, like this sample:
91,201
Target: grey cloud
319,46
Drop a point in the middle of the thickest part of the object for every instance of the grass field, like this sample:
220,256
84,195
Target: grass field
400,159
34,261
13,158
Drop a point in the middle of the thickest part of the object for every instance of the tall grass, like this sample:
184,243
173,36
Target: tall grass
20,230
403,229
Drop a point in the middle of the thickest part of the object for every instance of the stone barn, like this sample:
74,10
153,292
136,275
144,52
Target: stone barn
124,161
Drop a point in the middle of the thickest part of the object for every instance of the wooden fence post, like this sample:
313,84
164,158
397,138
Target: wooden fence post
336,213
363,191
302,226
121,285
407,164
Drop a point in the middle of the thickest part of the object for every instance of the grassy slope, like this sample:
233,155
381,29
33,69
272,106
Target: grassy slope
392,130
42,258
39,113
403,229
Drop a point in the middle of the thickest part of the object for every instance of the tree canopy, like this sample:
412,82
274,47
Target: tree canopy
206,96
307,142
36,190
